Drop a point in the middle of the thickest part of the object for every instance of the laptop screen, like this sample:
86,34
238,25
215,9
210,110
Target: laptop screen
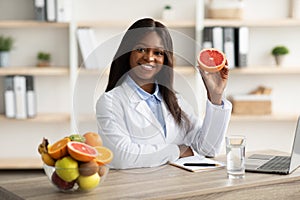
295,158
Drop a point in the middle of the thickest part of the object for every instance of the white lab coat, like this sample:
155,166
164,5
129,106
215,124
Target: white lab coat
129,128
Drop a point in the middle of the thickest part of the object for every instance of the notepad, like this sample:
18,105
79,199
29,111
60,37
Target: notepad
197,159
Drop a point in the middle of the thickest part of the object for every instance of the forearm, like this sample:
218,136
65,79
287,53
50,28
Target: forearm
208,139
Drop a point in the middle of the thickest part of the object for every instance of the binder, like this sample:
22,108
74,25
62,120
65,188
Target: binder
9,97
229,46
30,97
20,96
64,10
87,44
241,46
39,10
207,38
217,38
51,10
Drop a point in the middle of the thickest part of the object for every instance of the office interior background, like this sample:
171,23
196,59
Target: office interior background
66,91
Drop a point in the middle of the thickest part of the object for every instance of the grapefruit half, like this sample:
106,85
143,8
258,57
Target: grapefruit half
211,60
81,151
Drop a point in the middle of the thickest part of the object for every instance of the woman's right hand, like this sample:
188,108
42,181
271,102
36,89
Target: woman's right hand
185,151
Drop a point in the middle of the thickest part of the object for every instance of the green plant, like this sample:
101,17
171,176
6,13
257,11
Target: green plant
43,56
168,7
6,43
280,50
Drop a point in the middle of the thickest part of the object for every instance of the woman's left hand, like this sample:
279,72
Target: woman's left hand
215,84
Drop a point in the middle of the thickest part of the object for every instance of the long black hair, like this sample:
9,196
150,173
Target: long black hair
120,65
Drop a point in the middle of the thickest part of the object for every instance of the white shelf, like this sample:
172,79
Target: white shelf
264,118
126,23
262,70
29,23
38,71
41,118
253,23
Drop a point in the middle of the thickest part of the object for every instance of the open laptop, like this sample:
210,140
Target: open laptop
277,164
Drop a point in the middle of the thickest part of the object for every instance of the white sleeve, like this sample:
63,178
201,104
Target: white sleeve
206,138
127,154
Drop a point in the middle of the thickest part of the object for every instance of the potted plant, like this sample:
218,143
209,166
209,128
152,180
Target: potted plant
44,59
278,52
168,13
6,44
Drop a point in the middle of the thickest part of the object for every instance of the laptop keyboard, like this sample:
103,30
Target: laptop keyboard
278,163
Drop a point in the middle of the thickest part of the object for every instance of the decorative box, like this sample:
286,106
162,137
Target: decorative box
225,9
251,104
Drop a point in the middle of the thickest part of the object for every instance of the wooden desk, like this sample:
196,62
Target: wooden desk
166,182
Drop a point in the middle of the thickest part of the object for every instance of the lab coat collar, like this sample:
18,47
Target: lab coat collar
141,106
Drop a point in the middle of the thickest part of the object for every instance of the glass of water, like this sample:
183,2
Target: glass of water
235,154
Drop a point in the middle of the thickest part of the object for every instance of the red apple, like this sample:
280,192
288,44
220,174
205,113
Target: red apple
60,183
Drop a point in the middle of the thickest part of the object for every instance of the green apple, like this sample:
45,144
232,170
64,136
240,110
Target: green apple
88,182
67,169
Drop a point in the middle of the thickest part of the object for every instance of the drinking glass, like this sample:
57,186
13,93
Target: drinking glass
235,154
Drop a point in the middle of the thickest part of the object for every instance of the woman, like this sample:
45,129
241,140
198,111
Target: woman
141,119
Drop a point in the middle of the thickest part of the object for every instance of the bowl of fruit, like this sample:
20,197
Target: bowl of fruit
76,162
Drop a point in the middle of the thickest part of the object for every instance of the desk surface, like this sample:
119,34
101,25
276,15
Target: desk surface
166,182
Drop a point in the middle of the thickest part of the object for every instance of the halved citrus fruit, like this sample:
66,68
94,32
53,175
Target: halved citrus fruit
211,60
59,148
81,151
105,155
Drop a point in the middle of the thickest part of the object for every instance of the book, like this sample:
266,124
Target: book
87,44
39,10
51,10
9,97
241,46
20,97
64,10
229,49
30,97
207,38
199,160
217,38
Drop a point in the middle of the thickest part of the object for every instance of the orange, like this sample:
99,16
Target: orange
211,60
92,139
105,155
81,151
59,148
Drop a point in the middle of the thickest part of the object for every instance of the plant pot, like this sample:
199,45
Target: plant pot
279,59
42,63
168,14
4,58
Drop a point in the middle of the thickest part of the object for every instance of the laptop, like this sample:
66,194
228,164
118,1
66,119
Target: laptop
276,164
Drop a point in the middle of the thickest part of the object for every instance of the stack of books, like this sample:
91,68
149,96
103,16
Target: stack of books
19,97
53,10
233,41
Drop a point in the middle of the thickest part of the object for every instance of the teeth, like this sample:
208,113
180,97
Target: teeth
149,67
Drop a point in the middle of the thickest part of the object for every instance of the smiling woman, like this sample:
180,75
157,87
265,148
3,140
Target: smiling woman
147,62
140,116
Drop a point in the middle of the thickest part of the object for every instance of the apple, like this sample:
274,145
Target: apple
60,183
88,182
67,169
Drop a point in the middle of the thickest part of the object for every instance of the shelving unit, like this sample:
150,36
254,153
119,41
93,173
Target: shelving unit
266,30
59,81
